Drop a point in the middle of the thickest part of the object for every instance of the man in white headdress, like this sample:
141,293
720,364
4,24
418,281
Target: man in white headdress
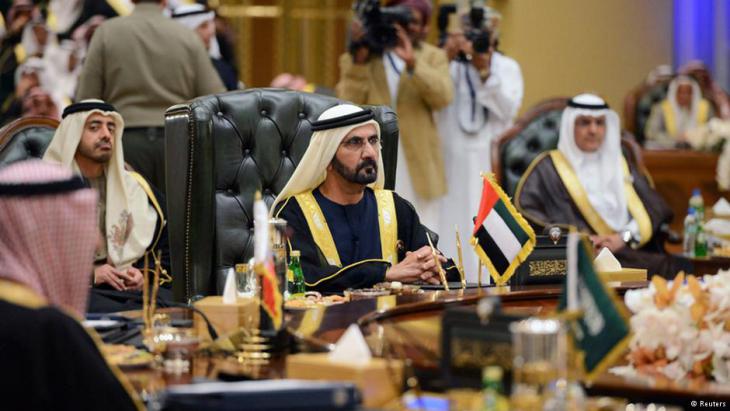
130,214
200,19
350,231
587,183
488,91
681,111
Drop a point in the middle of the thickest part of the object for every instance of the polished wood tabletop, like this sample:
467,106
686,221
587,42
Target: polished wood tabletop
410,325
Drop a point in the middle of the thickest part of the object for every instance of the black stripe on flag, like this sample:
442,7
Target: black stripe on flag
490,248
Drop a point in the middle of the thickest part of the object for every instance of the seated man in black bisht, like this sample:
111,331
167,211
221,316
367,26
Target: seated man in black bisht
587,183
130,213
49,361
351,232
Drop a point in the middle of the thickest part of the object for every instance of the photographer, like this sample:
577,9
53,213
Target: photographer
389,63
488,91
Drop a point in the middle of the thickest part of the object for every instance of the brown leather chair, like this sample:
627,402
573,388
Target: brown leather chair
534,132
710,89
26,138
220,150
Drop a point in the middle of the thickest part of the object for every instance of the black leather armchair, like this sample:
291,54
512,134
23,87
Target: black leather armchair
638,104
220,150
26,138
534,132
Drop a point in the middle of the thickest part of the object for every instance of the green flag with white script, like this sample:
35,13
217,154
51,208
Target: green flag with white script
601,331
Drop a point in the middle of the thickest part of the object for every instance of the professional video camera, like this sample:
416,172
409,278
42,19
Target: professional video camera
475,32
379,25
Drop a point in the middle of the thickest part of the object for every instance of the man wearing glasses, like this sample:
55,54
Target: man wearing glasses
350,231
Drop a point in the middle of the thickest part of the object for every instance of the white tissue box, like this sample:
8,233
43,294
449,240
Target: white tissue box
624,275
379,380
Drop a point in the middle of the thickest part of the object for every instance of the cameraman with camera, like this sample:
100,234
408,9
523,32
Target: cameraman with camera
488,91
389,63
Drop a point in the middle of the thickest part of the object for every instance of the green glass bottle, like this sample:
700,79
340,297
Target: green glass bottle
493,390
295,266
700,241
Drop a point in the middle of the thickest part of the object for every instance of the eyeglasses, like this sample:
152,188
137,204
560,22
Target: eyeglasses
358,143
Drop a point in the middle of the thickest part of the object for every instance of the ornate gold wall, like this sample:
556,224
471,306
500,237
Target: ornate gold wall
295,36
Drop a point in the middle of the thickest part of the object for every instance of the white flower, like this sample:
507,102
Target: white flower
637,300
669,328
674,371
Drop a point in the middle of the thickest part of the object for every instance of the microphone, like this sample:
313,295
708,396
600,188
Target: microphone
161,302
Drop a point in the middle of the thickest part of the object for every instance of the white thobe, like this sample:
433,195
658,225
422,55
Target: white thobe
467,131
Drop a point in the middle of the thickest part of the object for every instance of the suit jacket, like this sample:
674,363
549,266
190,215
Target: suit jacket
427,89
145,63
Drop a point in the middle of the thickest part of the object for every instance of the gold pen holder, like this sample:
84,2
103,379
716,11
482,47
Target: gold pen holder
226,318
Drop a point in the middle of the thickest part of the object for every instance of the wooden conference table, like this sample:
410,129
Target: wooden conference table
386,320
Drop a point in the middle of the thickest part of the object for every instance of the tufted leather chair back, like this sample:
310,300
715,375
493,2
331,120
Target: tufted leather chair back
534,132
26,138
638,104
220,150
537,131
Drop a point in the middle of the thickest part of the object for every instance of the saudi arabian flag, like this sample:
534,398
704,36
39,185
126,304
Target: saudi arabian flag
501,237
598,320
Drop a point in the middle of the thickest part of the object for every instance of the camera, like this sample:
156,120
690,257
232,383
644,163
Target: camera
379,25
475,32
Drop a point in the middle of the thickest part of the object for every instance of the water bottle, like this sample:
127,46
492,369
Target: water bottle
690,231
698,204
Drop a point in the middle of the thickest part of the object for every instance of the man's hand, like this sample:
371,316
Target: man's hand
107,274
418,265
483,63
137,279
612,241
361,54
404,49
453,45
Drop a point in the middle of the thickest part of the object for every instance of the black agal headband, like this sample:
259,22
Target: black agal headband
572,103
346,120
42,188
87,106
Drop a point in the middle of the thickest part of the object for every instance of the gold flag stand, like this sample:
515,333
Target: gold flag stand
436,261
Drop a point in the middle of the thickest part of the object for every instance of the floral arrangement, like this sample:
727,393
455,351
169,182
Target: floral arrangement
681,330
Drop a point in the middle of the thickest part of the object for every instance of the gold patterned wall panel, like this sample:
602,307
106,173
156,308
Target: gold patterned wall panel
296,36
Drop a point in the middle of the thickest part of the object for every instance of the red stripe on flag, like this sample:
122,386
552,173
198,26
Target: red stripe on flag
272,299
489,198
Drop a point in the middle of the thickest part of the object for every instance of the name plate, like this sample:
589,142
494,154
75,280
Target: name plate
546,264
468,345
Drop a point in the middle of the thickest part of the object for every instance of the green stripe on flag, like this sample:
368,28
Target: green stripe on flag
509,219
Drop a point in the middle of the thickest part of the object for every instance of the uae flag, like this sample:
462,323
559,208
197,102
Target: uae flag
501,237
271,298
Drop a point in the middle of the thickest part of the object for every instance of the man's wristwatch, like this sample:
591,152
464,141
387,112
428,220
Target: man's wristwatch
628,237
